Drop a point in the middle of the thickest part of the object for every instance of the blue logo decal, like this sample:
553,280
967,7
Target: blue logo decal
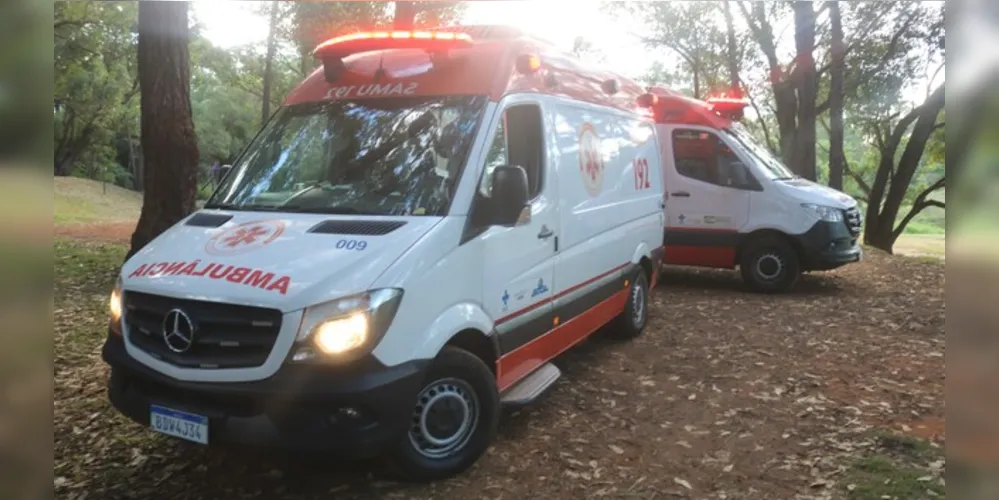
506,299
540,289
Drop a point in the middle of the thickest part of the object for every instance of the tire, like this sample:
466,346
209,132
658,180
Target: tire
635,316
463,390
770,266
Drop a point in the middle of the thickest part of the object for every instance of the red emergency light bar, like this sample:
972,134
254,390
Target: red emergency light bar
379,40
728,107
437,43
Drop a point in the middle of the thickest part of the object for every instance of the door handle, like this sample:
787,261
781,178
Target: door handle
680,194
545,233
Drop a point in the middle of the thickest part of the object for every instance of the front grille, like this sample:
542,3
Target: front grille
225,335
854,221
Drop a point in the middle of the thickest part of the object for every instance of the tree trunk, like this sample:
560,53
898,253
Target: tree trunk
733,52
265,108
169,144
807,85
405,15
896,180
837,157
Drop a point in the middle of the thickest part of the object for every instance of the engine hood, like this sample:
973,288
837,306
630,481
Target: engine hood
278,260
807,191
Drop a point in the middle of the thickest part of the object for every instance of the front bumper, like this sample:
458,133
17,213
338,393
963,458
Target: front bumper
354,411
828,245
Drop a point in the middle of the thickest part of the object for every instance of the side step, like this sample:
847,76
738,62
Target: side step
527,390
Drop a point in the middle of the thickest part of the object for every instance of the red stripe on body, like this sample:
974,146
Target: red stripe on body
520,362
720,257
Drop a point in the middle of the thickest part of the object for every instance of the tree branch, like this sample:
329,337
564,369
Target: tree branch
853,83
763,124
921,203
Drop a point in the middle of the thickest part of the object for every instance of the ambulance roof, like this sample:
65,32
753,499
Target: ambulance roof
677,109
484,61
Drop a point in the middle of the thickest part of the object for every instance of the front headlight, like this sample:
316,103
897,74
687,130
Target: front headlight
346,328
114,308
828,214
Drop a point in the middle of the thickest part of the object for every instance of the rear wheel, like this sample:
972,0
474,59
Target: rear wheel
770,265
631,322
454,419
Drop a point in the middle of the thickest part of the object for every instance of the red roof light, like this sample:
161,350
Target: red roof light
443,36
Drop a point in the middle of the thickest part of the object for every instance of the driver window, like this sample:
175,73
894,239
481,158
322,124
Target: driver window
518,140
705,157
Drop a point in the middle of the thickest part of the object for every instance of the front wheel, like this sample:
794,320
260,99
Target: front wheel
770,266
454,419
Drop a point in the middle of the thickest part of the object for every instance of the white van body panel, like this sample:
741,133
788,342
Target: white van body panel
318,267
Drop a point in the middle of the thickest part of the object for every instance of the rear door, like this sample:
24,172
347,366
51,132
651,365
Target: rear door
708,192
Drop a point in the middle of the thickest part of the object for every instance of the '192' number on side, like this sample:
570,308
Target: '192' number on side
351,245
642,174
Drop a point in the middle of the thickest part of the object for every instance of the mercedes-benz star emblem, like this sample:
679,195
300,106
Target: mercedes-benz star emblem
178,331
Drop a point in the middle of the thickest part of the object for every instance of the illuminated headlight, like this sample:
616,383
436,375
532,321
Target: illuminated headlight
346,328
114,308
828,214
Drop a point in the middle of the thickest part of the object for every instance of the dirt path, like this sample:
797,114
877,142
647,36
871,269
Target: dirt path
115,232
727,395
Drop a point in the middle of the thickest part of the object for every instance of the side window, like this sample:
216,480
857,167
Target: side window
705,157
519,141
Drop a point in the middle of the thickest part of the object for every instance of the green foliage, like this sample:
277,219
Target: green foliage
693,32
96,91
95,85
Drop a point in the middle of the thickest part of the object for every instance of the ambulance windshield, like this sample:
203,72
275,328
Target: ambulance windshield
386,156
771,166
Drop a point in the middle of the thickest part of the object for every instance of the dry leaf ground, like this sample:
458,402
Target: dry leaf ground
834,391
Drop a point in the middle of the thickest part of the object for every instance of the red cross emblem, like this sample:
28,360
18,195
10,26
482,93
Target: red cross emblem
590,162
245,237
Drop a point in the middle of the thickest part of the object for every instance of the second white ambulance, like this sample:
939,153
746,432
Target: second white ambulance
427,222
731,203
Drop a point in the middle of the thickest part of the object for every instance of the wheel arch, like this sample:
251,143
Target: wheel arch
483,346
767,233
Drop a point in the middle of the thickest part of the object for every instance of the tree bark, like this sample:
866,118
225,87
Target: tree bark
837,157
803,161
405,15
265,108
169,144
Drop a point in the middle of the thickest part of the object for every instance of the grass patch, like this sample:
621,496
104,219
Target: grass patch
898,468
923,227
85,266
82,201
922,245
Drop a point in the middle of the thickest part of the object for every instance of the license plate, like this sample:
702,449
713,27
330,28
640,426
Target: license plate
179,424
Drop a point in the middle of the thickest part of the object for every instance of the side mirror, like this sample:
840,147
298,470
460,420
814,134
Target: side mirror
509,195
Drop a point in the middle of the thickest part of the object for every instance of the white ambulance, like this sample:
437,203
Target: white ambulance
429,220
731,203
